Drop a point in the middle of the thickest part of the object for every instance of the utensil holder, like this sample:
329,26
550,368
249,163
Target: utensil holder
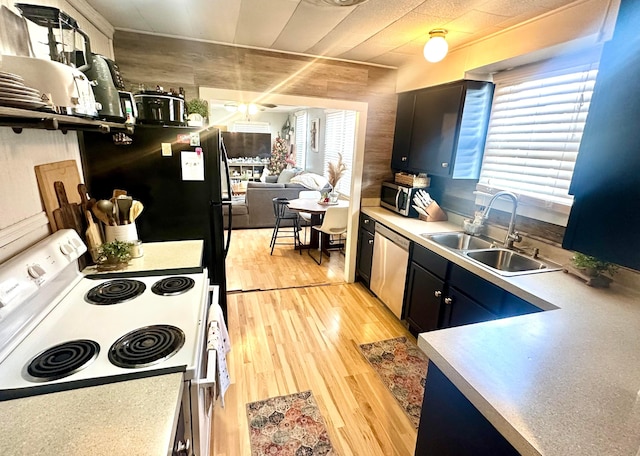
125,233
435,214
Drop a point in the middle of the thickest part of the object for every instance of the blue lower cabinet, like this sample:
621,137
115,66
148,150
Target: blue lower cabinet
450,425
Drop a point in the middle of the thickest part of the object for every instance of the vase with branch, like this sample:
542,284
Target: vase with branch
335,171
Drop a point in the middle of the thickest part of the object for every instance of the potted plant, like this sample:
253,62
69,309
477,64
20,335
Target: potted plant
592,269
114,255
197,111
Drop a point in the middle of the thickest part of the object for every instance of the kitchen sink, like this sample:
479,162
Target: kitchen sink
509,262
491,254
459,241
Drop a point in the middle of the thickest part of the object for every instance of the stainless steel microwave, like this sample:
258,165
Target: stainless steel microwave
398,198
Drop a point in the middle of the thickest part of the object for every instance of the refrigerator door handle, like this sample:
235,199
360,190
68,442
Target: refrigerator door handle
226,247
225,160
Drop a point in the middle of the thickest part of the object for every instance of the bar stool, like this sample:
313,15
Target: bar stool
287,224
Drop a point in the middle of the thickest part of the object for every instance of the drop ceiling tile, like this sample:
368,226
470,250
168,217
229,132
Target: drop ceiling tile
448,9
473,21
410,27
365,21
261,21
217,19
130,15
534,12
366,51
308,25
508,8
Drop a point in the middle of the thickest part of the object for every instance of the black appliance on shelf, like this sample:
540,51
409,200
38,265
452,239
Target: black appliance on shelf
180,174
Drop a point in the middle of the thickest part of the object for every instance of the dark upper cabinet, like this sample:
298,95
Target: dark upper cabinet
606,212
402,133
441,130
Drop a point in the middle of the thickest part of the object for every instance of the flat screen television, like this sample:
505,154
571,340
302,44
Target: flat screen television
241,145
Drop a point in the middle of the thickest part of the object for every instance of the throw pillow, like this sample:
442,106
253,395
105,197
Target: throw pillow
265,173
285,176
310,180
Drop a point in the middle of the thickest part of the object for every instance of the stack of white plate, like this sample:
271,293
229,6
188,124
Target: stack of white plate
14,93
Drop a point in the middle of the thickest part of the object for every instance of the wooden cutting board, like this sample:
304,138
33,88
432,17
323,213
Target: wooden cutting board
65,172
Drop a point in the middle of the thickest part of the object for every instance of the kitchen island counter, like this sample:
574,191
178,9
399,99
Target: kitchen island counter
169,255
135,417
552,383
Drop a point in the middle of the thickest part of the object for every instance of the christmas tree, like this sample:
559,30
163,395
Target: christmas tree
279,155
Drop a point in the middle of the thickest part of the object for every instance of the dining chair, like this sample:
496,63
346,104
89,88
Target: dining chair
305,216
334,223
287,224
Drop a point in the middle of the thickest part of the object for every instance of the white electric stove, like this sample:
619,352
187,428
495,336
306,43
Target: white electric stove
60,330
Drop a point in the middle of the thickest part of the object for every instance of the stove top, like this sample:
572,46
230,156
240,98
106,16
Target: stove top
110,329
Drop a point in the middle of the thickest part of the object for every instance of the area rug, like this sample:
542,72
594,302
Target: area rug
403,370
288,425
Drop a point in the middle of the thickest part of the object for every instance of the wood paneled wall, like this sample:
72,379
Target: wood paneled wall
171,62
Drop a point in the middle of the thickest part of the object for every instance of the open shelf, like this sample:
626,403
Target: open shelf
19,119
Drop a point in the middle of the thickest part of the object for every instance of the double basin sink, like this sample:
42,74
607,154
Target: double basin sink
490,254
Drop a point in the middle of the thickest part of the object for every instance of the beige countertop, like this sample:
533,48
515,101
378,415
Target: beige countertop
135,417
563,382
163,255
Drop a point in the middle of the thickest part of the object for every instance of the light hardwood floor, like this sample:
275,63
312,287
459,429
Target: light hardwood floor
302,333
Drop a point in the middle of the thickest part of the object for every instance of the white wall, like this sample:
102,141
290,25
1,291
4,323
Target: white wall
22,217
315,160
582,24
221,117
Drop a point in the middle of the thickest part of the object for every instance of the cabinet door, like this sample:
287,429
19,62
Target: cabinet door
450,425
365,255
402,135
435,128
424,299
462,310
605,180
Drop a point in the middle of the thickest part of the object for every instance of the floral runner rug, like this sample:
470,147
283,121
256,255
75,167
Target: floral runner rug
403,369
288,425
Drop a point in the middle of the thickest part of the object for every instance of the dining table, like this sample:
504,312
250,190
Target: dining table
317,210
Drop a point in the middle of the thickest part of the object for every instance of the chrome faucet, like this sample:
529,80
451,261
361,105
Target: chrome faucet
512,234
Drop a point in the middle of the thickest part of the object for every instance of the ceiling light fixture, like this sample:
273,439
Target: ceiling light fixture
437,47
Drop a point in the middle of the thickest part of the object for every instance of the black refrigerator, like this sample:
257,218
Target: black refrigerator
180,174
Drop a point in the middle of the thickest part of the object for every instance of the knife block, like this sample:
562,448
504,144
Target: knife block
435,214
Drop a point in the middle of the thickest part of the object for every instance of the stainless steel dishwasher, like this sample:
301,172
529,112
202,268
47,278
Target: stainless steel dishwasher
389,268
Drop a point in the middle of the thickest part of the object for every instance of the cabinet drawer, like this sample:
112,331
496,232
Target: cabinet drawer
487,294
367,223
432,262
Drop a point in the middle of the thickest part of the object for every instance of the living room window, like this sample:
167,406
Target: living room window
534,134
340,134
301,139
251,127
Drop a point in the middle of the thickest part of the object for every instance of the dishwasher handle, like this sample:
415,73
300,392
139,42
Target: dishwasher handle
394,237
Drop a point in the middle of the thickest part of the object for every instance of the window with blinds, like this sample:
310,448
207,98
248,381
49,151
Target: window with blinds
340,134
534,134
251,127
300,133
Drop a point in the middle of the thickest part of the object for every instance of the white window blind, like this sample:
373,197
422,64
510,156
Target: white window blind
251,127
534,134
340,133
301,139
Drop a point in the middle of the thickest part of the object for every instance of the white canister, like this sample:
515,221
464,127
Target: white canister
121,232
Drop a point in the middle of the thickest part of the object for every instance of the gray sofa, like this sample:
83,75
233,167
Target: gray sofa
257,209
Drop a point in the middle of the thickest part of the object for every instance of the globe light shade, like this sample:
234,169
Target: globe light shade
436,48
